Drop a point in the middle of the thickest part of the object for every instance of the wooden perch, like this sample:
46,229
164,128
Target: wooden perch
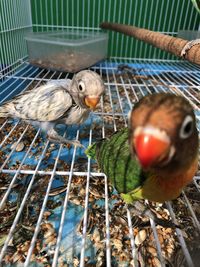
165,42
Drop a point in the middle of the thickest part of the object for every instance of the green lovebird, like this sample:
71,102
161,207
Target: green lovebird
157,156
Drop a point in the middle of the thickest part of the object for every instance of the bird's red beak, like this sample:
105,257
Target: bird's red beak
150,146
91,102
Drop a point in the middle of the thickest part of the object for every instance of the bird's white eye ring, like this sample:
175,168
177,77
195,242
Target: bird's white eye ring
129,117
81,86
186,127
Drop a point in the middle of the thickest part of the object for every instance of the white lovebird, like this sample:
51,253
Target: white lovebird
62,101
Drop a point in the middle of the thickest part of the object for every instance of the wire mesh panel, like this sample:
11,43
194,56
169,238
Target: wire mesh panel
56,207
15,22
166,16
59,210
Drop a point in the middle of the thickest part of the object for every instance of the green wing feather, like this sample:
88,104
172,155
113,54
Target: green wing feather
114,159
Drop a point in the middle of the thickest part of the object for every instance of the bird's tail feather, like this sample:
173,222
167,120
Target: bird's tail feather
5,110
91,151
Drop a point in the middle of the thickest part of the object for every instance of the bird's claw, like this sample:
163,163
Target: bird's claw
139,209
76,143
64,141
53,136
166,223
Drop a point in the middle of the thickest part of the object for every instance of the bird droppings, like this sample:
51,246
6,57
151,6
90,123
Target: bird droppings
17,147
140,237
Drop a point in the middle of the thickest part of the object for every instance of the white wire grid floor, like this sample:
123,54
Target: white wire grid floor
58,210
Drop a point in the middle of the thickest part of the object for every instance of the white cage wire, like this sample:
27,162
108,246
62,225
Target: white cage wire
50,191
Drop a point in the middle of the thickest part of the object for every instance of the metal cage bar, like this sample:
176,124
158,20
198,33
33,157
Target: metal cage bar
149,75
117,85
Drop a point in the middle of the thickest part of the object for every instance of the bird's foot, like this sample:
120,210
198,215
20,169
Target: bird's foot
166,223
62,140
53,136
140,209
188,46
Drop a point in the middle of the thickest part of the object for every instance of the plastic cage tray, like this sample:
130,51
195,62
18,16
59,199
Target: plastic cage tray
58,210
68,51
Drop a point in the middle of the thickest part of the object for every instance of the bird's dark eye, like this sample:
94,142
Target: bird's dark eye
81,87
186,127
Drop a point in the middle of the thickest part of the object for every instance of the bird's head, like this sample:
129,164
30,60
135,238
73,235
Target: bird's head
87,88
163,132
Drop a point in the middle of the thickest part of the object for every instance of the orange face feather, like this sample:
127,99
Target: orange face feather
168,187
